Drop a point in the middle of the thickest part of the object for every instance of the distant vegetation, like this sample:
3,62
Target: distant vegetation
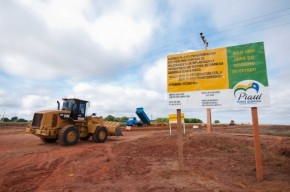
117,119
186,120
108,118
216,121
192,120
13,119
159,119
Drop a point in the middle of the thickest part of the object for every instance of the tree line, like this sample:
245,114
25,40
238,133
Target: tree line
186,120
110,118
13,119
117,119
159,119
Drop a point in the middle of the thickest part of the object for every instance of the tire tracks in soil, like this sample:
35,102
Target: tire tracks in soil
27,172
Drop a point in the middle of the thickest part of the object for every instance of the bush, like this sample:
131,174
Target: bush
21,120
117,119
164,120
216,121
109,118
192,120
5,119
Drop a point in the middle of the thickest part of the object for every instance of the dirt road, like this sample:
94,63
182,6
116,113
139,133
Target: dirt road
144,161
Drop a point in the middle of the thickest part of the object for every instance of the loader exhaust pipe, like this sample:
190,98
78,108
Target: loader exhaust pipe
58,105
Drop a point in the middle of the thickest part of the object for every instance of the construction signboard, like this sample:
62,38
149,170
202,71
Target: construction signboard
225,77
173,118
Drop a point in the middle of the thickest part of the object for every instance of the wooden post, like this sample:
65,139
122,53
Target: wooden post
179,140
209,129
208,110
257,144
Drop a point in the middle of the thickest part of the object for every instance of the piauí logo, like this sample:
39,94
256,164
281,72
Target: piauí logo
247,93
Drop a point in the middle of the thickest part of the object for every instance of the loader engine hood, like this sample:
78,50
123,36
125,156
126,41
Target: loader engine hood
63,114
49,118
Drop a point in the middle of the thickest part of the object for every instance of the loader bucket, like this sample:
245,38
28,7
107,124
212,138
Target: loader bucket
114,128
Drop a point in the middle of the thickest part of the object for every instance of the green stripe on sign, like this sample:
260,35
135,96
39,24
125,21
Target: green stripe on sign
247,62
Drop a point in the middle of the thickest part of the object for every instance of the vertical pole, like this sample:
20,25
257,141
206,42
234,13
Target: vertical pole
257,144
179,140
208,111
170,127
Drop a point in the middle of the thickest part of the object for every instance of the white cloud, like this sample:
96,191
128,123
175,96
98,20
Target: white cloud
110,99
279,94
120,32
19,65
180,10
60,14
120,28
155,76
7,99
75,38
36,101
276,47
125,27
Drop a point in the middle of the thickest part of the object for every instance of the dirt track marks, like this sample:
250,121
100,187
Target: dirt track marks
33,170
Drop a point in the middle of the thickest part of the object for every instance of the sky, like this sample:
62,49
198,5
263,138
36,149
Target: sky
114,53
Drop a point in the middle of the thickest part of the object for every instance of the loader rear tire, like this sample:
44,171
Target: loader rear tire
101,135
48,140
69,135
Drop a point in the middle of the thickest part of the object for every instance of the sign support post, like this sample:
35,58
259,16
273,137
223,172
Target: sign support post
257,144
179,140
208,110
209,129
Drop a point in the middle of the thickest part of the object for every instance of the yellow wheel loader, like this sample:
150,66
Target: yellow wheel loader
70,123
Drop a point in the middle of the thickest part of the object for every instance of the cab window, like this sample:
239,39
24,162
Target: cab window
82,109
67,105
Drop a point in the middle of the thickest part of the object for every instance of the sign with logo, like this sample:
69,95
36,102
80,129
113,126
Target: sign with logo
249,92
225,77
173,118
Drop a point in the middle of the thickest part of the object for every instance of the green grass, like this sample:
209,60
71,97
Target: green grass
275,159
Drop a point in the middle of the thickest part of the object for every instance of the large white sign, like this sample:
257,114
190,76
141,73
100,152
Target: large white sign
224,77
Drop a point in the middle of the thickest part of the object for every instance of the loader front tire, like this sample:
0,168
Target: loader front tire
101,135
69,135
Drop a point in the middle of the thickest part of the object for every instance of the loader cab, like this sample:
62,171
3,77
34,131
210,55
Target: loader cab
77,108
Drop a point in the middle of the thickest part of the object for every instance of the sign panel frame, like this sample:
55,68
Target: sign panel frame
234,76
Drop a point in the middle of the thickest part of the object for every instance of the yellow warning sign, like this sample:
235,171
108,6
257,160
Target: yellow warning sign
173,118
195,71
